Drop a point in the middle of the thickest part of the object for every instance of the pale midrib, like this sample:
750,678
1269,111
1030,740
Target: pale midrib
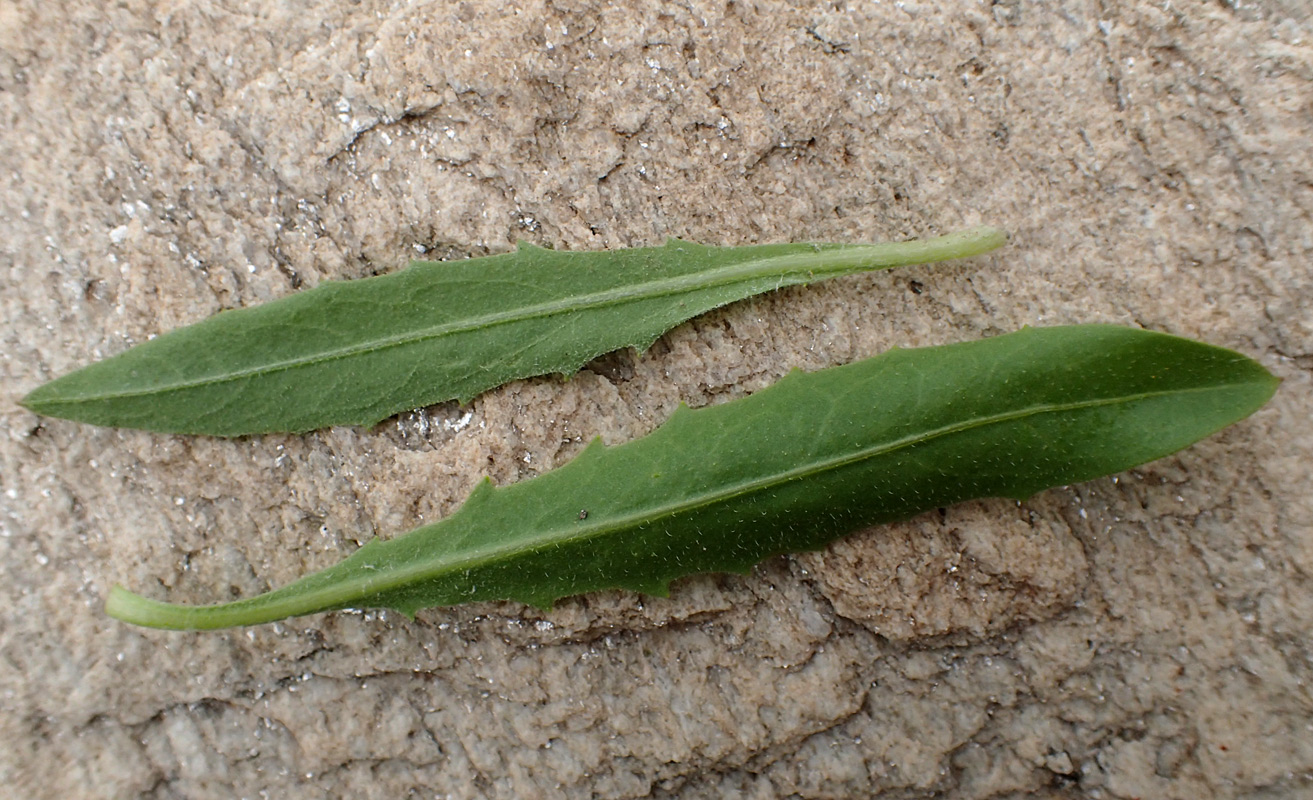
805,266
341,594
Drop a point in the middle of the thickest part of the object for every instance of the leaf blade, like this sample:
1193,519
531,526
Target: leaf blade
357,352
721,488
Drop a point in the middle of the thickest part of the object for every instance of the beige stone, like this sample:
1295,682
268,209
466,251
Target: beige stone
1139,636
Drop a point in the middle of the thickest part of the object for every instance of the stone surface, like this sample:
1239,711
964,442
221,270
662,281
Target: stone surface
1139,636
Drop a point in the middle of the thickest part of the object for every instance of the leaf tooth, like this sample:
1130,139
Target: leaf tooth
791,376
679,415
643,345
482,493
409,610
592,450
368,548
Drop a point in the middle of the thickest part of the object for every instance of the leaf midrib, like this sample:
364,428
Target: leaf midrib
340,593
848,260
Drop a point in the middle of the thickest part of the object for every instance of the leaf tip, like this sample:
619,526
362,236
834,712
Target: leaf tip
39,400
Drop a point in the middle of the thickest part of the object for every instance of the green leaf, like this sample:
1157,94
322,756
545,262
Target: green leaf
356,352
790,468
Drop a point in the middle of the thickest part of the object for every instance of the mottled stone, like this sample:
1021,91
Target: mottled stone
1138,636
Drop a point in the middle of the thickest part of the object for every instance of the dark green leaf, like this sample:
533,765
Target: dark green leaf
356,352
790,468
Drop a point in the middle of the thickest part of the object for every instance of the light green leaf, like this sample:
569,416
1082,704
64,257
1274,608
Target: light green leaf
790,468
356,352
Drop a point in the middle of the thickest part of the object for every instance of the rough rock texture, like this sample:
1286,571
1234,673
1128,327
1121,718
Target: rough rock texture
1138,636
